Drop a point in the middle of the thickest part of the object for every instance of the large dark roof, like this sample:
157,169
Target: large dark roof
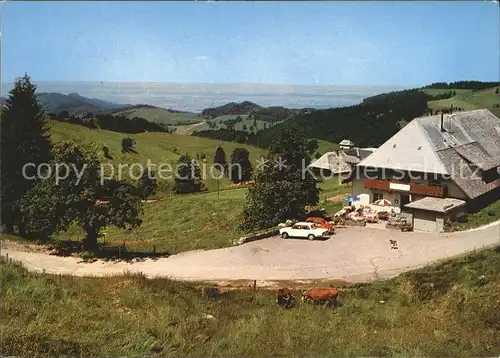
454,145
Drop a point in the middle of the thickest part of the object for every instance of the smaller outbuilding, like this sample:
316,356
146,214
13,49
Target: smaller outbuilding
430,213
346,144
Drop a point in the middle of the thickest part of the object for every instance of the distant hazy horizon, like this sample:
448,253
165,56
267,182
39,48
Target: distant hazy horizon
195,97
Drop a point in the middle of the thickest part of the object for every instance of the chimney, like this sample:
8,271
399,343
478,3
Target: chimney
442,122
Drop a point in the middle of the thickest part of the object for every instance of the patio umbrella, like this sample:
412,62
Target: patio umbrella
382,202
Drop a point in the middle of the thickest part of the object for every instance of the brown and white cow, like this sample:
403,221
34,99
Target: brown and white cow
284,297
321,295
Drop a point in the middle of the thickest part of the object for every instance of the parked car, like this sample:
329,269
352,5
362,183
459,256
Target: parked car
321,222
304,229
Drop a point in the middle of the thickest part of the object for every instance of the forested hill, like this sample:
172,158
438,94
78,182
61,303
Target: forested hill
370,123
267,114
377,118
472,85
73,103
230,108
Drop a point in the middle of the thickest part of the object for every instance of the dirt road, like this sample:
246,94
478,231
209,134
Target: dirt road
353,254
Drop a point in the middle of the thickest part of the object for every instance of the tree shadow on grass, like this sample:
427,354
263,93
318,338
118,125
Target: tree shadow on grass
129,150
104,252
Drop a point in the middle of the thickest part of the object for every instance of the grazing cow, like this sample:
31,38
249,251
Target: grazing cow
321,295
284,297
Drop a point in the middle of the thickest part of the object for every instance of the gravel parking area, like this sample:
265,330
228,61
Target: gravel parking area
354,254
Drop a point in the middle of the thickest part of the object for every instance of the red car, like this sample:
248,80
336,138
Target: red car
321,222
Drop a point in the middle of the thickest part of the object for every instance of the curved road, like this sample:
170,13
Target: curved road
353,254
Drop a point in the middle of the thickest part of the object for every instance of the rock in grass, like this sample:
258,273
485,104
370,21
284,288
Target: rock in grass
207,316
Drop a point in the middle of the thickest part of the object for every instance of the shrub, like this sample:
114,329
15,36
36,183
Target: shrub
462,218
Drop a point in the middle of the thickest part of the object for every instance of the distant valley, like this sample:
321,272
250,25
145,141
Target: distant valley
195,97
370,122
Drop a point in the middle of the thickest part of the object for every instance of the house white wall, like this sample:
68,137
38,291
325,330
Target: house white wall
358,187
453,191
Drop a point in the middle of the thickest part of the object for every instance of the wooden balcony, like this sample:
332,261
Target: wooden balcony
400,187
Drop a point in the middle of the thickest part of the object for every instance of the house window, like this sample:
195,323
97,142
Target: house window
377,196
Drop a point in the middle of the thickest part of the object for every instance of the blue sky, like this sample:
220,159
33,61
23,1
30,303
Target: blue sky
309,43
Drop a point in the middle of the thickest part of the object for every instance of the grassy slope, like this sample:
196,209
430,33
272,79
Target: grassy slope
188,129
441,310
160,115
181,223
174,223
325,146
469,100
177,223
159,147
485,216
437,91
221,123
197,221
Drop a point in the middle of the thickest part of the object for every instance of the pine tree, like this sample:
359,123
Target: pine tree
24,139
188,176
147,184
241,169
220,157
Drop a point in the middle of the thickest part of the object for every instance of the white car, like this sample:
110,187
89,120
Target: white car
304,229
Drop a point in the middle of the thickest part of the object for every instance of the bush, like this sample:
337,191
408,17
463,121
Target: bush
462,218
128,145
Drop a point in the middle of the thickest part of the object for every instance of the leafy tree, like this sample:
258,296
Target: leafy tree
188,176
244,127
312,145
497,90
128,145
53,206
24,139
220,157
147,184
241,168
282,189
